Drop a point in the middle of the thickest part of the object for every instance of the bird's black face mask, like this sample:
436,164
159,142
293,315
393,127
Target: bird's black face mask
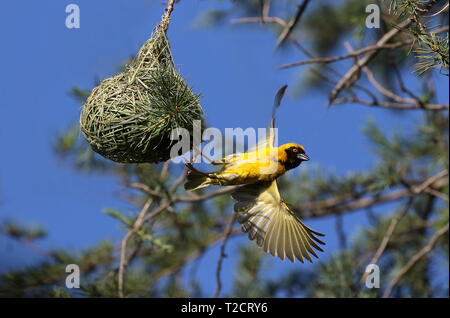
295,156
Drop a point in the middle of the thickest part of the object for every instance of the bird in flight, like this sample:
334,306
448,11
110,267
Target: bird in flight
261,210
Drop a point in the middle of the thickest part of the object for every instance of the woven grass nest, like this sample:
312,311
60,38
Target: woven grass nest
129,117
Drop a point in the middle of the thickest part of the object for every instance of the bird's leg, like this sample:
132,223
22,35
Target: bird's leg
211,161
208,175
217,163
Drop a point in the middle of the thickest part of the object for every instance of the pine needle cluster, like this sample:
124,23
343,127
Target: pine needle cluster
430,48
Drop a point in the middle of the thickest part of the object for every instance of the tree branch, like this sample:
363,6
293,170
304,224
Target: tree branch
423,252
344,204
349,78
292,23
222,255
388,234
326,60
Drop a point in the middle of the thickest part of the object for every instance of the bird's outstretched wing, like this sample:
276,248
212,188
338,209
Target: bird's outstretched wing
265,217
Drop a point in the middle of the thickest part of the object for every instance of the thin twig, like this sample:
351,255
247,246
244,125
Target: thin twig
292,23
166,17
403,87
136,226
349,78
390,231
428,182
194,255
140,220
356,100
423,252
388,234
259,19
437,194
343,204
265,8
415,101
339,226
222,255
326,60
328,68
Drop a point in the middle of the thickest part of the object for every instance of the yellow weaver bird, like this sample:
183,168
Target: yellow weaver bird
261,211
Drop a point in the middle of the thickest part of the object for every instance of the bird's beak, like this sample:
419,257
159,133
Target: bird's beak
303,157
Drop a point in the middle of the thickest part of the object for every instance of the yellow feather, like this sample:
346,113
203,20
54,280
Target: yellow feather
277,229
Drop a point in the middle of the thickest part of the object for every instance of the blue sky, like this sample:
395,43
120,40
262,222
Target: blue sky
233,66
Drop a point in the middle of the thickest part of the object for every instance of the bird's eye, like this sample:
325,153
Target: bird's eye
294,150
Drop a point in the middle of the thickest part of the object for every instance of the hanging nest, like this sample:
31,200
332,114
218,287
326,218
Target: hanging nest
129,117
